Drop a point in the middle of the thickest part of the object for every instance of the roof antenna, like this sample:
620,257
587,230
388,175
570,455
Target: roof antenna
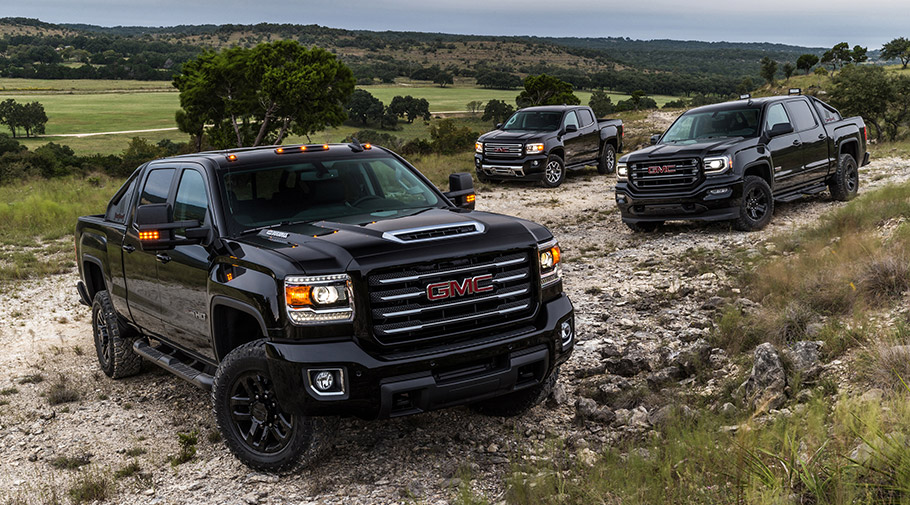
355,145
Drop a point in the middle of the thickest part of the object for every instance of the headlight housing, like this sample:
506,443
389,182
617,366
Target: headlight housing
716,165
319,299
549,256
478,147
622,170
534,148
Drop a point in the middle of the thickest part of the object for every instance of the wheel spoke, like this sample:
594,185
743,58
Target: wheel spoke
240,400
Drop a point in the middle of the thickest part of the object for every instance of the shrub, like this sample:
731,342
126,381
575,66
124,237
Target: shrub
448,138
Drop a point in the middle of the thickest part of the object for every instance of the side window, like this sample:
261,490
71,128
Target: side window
157,186
585,116
116,211
802,115
776,115
827,114
570,118
192,201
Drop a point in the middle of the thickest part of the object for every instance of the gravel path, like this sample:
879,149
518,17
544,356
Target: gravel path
628,289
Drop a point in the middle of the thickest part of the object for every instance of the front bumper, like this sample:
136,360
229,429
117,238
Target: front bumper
711,201
527,168
375,387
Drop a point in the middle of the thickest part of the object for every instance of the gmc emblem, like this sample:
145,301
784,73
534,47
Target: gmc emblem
664,169
448,289
500,150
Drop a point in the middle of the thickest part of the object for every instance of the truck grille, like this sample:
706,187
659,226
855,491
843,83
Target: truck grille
403,315
502,150
663,175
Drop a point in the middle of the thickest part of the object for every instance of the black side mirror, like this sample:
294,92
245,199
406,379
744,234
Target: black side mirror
461,190
655,139
571,128
156,231
498,125
780,129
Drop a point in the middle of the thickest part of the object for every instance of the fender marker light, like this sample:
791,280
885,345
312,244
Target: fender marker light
149,235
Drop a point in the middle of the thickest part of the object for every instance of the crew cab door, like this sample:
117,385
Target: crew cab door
589,133
573,141
814,142
183,271
140,268
786,157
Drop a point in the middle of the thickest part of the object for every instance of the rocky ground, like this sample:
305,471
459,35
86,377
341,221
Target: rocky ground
643,306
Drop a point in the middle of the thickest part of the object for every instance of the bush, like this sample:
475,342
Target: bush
376,138
416,146
448,138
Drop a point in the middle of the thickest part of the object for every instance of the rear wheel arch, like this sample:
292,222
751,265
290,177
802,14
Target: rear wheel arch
93,273
850,147
234,323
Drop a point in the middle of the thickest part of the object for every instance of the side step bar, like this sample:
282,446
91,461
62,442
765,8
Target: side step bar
173,365
812,190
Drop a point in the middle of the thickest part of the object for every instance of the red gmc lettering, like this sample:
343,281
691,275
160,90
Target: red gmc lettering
448,289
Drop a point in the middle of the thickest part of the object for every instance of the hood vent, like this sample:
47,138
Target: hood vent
435,232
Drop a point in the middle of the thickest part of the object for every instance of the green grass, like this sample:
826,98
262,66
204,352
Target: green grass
13,85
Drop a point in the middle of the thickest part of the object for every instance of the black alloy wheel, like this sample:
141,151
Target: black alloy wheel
756,205
256,415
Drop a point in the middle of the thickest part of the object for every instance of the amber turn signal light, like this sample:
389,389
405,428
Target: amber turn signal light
297,296
470,198
149,235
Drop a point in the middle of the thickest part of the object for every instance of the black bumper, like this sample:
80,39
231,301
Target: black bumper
389,388
716,201
527,168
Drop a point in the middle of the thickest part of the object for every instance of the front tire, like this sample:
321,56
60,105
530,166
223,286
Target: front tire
113,340
254,426
845,183
607,163
517,403
756,205
554,172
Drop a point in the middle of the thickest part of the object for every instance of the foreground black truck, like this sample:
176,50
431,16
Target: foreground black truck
541,143
321,280
732,161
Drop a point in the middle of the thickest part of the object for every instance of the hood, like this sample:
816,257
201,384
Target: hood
698,150
515,136
325,247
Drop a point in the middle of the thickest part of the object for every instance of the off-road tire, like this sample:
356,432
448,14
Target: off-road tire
113,340
482,177
845,183
517,403
756,207
245,371
644,226
554,172
607,162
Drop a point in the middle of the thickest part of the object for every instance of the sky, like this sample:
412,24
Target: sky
814,23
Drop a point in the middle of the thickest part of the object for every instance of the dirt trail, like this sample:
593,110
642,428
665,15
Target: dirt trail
45,332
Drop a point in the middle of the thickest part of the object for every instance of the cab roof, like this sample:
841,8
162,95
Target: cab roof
297,152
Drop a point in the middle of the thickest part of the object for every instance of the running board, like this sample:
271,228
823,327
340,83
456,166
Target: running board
173,365
811,190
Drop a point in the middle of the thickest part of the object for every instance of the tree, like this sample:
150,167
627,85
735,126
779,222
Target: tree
10,115
474,106
443,78
898,113
898,48
364,107
768,69
838,55
636,97
448,138
788,70
497,111
745,86
863,91
858,55
33,118
546,90
600,103
410,107
806,62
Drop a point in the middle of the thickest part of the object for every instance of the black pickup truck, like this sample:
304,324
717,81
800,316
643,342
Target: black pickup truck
732,161
540,143
320,280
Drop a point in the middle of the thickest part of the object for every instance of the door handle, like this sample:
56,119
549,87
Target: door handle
162,257
821,136
128,248
797,143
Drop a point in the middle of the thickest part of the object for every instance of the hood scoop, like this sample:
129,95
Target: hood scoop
435,232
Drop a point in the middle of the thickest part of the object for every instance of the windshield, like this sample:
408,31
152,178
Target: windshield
371,188
534,120
695,126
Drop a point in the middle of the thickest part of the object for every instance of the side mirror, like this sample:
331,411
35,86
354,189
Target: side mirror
780,129
461,190
571,128
655,139
498,125
156,231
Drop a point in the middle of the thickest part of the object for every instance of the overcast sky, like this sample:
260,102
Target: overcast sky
820,23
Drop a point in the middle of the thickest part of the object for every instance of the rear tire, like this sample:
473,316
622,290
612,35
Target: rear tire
845,183
607,162
254,426
644,226
517,403
113,340
756,206
554,172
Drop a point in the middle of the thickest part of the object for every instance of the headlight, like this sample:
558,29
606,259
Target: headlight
718,164
550,256
622,170
319,299
478,147
533,148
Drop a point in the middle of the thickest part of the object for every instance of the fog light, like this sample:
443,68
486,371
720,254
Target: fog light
719,191
566,332
324,380
535,163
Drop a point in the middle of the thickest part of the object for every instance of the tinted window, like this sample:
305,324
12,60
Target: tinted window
776,115
119,205
802,115
157,186
191,201
533,120
585,116
827,114
694,126
571,118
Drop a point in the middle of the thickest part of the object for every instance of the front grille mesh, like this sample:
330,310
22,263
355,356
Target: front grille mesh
491,150
663,175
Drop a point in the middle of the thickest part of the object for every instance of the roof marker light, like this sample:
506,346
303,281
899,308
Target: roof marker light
232,157
303,148
367,146
280,150
325,147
